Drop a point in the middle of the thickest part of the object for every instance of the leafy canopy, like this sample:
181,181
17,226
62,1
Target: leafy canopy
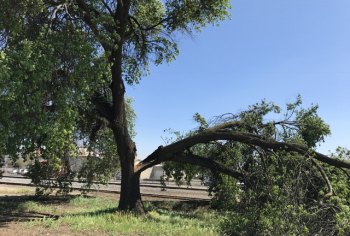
55,59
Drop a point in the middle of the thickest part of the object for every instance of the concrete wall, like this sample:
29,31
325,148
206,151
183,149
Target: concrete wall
153,173
157,172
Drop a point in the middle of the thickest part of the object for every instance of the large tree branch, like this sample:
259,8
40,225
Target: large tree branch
215,133
326,179
89,20
192,159
150,161
117,85
148,28
255,140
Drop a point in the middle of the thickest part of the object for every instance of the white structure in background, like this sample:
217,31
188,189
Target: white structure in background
153,173
157,172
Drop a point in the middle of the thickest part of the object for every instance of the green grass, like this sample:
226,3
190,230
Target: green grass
95,214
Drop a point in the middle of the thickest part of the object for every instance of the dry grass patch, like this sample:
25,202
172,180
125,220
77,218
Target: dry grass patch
15,190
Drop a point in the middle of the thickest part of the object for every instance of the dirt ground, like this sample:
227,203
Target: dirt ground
17,228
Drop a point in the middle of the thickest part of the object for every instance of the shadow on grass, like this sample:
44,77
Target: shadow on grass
11,208
183,209
177,206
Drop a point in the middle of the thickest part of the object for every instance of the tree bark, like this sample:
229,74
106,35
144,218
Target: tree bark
130,196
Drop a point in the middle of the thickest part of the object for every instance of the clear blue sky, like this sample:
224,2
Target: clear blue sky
270,49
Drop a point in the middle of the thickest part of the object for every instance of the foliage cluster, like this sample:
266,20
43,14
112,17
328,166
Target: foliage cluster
46,106
281,193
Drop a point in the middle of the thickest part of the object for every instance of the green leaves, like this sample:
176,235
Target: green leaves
45,91
189,15
313,128
280,192
201,121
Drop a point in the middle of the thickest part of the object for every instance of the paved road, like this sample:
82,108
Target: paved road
199,192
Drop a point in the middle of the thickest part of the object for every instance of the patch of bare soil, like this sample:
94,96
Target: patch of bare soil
20,229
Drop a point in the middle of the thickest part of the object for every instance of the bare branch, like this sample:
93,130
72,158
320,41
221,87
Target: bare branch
345,172
207,163
161,22
226,125
107,7
53,15
88,18
326,179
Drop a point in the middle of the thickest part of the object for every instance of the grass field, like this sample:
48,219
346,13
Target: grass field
23,214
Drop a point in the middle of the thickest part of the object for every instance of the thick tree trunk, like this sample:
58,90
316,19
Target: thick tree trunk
130,197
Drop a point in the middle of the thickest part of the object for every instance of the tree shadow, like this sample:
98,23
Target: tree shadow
94,213
11,208
184,209
178,205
